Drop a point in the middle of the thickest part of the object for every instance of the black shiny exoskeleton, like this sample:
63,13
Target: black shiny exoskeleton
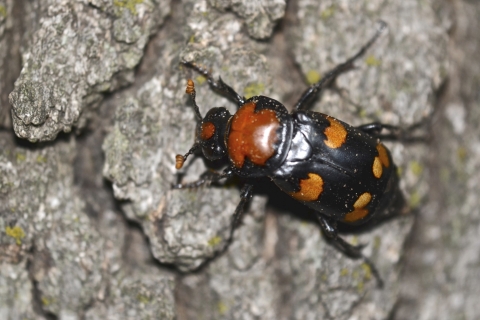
343,173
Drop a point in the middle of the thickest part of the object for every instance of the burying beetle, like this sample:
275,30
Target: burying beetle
344,173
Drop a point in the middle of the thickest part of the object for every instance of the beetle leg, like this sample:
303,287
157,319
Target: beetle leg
316,88
375,128
208,177
354,252
219,85
245,195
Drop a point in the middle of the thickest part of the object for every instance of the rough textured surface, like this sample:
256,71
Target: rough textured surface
78,50
260,16
443,263
10,33
75,246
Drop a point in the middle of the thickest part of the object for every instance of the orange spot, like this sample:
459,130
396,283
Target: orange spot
359,211
377,168
383,155
190,87
253,135
208,129
310,188
336,134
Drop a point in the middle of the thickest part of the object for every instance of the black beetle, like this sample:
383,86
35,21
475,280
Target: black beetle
344,173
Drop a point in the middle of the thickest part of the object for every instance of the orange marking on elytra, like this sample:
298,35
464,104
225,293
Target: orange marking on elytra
208,129
377,168
336,134
383,155
252,135
359,211
310,188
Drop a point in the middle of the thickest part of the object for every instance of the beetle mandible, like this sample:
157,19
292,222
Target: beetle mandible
344,173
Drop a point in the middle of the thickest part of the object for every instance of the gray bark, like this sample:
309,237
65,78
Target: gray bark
93,110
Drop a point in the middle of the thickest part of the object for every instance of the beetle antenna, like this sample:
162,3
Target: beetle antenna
191,91
180,160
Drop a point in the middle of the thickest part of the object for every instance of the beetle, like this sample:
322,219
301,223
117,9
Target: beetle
344,173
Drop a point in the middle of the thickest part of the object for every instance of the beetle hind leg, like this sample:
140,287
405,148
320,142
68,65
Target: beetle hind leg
354,252
375,129
316,88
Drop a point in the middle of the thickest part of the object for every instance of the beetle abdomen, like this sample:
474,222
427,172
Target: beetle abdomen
335,168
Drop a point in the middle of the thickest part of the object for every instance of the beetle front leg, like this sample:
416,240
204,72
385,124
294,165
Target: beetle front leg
354,252
210,176
219,85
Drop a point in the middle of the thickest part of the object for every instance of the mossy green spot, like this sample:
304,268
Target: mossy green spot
367,271
371,61
253,89
16,233
200,80
360,286
313,76
143,298
21,157
416,168
41,159
377,241
128,4
222,308
344,272
46,301
462,153
214,241
414,200
327,13
3,11
355,275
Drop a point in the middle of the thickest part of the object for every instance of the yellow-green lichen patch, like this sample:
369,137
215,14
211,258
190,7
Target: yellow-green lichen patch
367,271
16,233
3,11
462,153
416,168
327,13
144,299
414,200
253,89
41,159
214,241
21,157
313,76
360,286
46,301
344,272
222,308
200,80
377,241
128,4
371,61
